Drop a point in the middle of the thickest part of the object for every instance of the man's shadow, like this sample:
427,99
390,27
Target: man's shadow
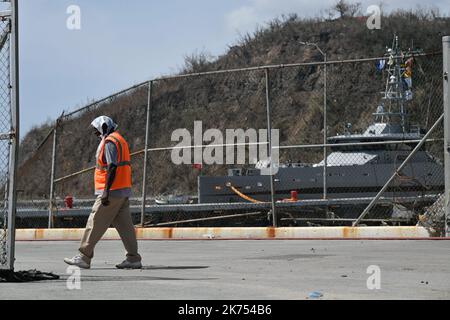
158,268
135,276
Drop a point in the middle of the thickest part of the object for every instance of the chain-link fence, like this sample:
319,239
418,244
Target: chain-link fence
5,118
374,120
8,132
339,132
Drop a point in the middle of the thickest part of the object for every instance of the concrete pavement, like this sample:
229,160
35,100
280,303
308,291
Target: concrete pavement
237,270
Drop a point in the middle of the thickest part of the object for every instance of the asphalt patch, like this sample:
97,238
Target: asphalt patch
291,257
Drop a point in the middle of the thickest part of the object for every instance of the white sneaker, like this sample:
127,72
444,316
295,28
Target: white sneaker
129,265
77,261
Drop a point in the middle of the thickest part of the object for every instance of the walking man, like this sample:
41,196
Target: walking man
113,190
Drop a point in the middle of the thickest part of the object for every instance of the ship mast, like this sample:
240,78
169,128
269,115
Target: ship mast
397,92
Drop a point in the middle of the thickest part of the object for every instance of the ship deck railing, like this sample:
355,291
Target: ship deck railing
238,206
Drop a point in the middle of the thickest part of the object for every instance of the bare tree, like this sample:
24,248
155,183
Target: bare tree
197,61
347,9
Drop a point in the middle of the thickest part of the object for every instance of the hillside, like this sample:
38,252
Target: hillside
238,100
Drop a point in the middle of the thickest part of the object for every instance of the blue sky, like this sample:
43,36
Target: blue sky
125,42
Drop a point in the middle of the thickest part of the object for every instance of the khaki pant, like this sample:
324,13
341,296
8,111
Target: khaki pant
117,214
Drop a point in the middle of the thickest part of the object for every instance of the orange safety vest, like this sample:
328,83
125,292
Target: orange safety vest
123,172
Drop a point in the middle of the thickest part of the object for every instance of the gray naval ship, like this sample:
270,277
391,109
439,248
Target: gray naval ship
353,170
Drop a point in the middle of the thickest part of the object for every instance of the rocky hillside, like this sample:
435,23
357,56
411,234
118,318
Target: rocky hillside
237,100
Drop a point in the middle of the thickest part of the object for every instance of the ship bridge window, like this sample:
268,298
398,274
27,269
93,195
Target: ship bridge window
374,147
339,174
234,172
253,172
359,148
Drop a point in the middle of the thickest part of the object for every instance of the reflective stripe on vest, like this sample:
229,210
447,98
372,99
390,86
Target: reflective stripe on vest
120,164
122,179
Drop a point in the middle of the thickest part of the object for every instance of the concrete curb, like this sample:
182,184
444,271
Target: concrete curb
235,233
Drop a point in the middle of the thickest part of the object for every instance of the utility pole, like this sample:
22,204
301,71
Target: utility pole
325,124
446,80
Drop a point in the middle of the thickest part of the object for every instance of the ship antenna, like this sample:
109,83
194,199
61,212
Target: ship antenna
396,93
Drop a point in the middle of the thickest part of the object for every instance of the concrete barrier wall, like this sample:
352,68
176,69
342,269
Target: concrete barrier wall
235,233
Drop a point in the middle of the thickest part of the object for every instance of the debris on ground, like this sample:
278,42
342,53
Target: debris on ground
26,276
315,295
434,218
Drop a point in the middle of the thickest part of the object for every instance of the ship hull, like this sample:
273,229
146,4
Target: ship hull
421,180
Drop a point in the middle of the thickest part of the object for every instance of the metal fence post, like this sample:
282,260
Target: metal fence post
14,151
269,136
52,177
446,56
325,130
395,174
147,131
